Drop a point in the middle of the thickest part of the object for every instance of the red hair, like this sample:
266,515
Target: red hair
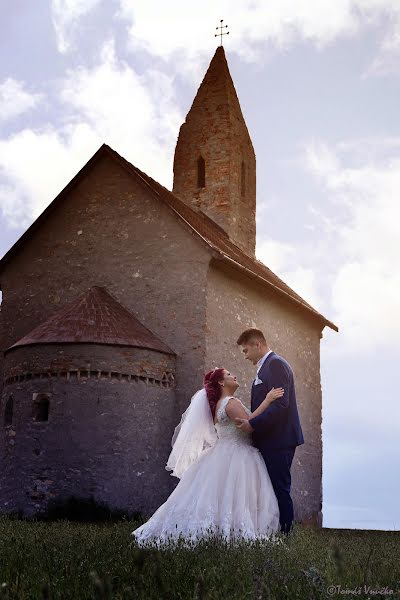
212,387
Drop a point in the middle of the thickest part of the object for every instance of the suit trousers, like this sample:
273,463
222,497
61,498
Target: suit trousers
278,463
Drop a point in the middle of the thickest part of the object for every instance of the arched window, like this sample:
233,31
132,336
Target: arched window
8,412
40,410
243,179
201,172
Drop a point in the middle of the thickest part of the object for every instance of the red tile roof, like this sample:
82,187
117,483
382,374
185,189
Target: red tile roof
93,317
202,226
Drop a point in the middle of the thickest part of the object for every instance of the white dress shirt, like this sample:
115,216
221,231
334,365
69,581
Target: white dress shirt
260,364
262,360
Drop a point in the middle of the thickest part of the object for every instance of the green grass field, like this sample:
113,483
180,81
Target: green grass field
72,560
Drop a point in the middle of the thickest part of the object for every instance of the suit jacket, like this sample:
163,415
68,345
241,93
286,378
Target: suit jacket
279,425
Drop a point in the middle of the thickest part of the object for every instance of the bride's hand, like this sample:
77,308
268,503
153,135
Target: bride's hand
274,394
244,425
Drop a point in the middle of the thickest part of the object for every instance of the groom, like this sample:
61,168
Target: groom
277,431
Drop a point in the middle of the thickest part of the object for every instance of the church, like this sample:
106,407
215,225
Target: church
116,301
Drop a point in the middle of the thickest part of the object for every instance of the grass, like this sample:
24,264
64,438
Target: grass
71,560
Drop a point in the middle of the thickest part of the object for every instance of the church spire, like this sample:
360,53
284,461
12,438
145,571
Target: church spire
214,163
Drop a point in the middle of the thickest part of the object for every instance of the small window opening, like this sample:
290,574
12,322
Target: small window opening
8,412
41,408
201,172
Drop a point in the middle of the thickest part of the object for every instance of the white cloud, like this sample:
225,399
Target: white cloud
275,254
305,282
56,156
15,99
366,286
181,31
388,58
12,204
135,114
283,259
347,268
66,15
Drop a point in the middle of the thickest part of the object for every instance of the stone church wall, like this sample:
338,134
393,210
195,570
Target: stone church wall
104,438
110,231
235,303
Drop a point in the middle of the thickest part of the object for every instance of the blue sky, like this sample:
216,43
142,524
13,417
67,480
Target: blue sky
319,86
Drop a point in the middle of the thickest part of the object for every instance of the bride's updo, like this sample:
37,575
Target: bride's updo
212,387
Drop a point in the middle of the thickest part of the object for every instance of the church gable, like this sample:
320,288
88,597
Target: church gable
107,198
108,228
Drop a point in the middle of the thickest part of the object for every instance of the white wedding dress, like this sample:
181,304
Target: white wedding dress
227,491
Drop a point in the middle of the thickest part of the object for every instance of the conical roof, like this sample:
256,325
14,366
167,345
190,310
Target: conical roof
216,97
93,317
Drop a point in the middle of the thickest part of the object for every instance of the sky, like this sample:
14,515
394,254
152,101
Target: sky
319,86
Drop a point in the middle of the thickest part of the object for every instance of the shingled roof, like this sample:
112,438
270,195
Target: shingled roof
93,317
200,224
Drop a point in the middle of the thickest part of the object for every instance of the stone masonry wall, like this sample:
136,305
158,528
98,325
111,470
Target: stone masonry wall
111,232
103,438
234,303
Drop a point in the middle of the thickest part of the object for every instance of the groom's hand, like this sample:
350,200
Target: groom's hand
243,425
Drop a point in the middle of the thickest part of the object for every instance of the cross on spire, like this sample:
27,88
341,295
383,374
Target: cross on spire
221,33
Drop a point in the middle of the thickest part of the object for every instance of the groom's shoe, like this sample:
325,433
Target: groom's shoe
287,529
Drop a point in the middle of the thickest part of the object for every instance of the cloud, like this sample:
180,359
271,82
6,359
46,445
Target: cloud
347,267
135,114
388,58
283,258
66,16
275,254
56,155
15,99
177,31
365,213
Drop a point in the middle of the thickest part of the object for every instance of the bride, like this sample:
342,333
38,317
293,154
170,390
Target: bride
224,485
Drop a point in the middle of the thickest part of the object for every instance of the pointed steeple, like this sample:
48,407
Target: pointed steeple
214,163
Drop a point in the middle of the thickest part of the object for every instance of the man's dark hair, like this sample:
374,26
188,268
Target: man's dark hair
251,335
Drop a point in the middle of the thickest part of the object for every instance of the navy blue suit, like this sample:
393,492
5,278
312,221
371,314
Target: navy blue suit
277,431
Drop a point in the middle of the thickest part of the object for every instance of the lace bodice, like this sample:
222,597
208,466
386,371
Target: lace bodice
226,428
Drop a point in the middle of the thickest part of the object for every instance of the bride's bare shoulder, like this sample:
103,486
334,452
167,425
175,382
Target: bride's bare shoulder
234,405
235,399
232,401
227,403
